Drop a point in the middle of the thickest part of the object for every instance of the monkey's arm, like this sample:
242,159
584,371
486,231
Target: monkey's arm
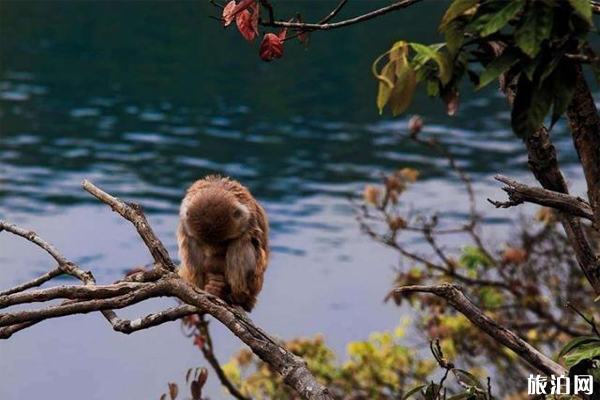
244,269
192,267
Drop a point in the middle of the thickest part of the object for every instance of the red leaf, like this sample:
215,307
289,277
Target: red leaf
232,9
199,341
244,23
451,99
271,47
228,14
282,34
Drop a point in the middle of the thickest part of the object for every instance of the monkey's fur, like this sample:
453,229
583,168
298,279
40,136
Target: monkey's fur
223,240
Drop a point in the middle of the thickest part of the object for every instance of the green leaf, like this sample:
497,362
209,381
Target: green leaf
456,9
501,18
455,35
474,380
530,107
584,8
472,257
433,87
497,67
412,391
404,89
426,53
586,351
564,88
534,28
577,342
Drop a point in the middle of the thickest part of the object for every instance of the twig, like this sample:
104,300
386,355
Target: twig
328,26
134,214
170,314
64,265
209,354
40,280
501,334
589,321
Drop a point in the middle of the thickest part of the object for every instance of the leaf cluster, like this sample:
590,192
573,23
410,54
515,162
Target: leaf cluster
534,44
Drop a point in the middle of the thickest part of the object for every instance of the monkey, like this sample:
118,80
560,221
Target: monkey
223,240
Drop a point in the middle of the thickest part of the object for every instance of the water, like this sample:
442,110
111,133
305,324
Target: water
142,98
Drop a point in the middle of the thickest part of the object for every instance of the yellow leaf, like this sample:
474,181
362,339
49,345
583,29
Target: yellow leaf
404,89
385,85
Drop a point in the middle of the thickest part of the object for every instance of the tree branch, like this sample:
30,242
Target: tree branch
134,214
158,282
328,26
501,334
209,354
519,193
585,129
544,165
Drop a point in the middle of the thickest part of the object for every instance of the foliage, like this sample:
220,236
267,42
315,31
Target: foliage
536,43
377,368
522,284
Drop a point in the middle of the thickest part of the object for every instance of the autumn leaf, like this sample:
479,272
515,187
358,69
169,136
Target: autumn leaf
451,99
199,341
514,256
228,13
302,35
232,9
173,390
282,34
245,24
271,47
410,174
371,194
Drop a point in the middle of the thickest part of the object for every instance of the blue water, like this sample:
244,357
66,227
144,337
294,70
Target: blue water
142,98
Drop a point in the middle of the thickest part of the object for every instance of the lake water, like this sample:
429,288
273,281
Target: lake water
142,98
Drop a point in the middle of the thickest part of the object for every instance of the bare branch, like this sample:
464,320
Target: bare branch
544,165
209,354
40,280
170,314
519,193
134,214
328,26
69,292
584,122
158,282
66,266
501,334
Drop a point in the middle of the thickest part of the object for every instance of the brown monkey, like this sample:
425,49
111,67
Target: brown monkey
223,240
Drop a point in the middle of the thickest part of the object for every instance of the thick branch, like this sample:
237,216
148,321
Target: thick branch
69,292
585,129
544,165
519,193
501,334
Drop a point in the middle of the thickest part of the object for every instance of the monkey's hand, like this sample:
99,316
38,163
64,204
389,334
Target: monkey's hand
216,285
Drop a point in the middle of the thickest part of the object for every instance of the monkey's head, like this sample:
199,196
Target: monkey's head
214,216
